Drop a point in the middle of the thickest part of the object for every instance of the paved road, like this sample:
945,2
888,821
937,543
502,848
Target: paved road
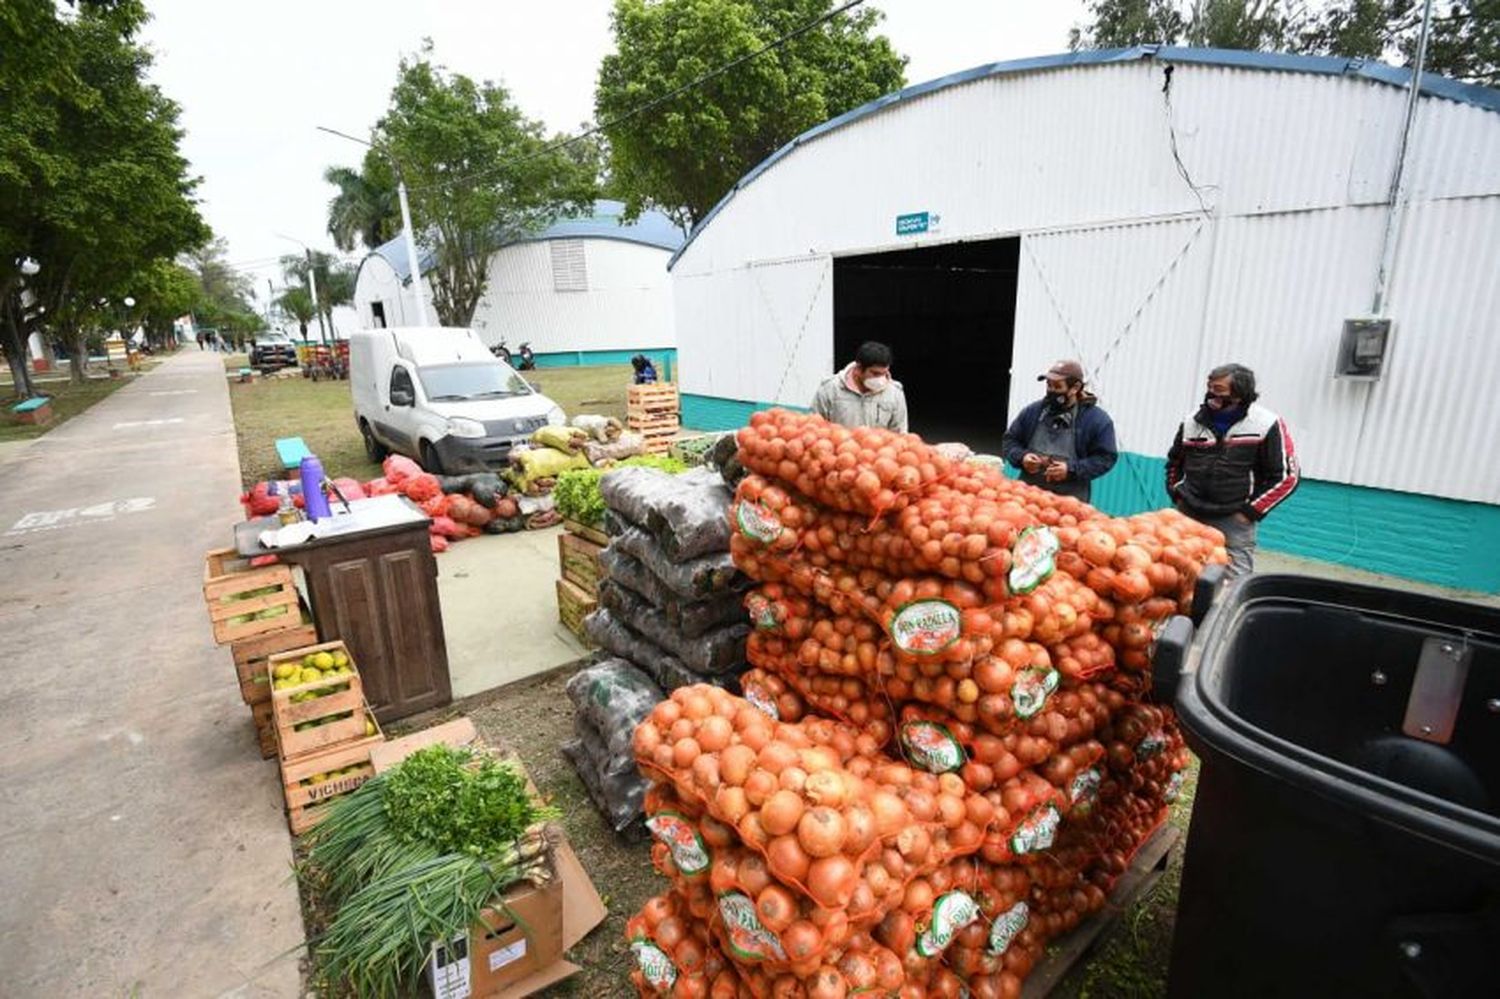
142,848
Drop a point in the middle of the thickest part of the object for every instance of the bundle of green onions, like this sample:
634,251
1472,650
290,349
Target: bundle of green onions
412,857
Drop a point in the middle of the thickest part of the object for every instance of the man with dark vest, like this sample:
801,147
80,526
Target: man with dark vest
1063,441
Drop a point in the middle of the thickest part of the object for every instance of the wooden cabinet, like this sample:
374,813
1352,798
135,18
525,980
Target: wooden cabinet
376,590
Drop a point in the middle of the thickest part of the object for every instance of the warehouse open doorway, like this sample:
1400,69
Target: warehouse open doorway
948,312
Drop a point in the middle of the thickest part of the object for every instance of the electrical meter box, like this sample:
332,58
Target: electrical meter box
1362,348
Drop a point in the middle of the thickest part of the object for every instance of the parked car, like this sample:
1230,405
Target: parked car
438,395
273,350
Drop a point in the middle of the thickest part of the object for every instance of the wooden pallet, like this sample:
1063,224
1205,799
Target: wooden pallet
265,728
227,579
308,803
579,559
662,395
573,605
587,533
346,698
1069,951
250,655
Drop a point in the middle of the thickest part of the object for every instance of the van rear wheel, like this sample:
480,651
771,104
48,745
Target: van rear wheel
374,450
428,457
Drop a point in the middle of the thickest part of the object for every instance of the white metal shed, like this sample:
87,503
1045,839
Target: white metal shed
1152,212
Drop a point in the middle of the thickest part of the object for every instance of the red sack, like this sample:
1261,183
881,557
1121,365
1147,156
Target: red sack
439,543
421,487
380,487
437,506
259,502
446,527
464,510
469,531
351,488
399,468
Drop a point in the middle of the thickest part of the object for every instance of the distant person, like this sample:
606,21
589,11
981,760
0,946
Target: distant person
1064,440
200,339
645,371
864,394
1232,462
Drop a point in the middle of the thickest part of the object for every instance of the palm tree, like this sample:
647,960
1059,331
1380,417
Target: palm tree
365,209
297,303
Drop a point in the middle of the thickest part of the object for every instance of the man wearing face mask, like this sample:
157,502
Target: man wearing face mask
1063,441
864,394
1232,462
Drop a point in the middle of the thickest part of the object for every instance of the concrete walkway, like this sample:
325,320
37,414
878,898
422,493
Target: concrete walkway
142,846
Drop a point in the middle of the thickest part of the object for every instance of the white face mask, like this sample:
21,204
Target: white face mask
876,383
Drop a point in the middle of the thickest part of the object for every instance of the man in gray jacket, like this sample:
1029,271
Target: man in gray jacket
864,394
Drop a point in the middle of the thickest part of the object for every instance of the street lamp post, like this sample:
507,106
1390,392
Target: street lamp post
412,262
312,286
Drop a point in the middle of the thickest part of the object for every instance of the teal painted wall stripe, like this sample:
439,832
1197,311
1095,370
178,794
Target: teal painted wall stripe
584,358
1428,538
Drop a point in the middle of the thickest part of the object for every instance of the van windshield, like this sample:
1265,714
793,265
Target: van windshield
462,382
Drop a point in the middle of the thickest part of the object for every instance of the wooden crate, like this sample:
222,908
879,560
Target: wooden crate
573,605
579,559
660,441
227,577
250,655
307,804
587,533
265,728
649,400
294,743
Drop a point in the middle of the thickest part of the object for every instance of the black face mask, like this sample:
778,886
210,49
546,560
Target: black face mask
1058,400
1225,403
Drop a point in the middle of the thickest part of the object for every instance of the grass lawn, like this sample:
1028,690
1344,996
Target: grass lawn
322,414
68,400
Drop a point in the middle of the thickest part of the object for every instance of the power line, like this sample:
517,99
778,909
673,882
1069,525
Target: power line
642,109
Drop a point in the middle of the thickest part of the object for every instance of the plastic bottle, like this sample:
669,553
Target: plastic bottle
314,501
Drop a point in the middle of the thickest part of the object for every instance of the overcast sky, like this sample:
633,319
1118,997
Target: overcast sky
255,79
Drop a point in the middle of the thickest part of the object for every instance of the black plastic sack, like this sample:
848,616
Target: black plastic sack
613,696
713,652
695,579
687,513
611,634
691,617
620,798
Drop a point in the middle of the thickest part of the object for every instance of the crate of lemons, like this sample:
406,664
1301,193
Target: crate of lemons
317,698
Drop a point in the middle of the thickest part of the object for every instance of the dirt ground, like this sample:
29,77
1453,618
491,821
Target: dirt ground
534,717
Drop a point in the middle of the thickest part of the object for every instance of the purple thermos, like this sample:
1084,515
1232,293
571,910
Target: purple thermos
314,500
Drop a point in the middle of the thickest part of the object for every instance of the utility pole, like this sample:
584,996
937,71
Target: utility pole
312,288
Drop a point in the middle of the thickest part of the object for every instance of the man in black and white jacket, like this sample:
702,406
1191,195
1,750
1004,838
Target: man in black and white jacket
1232,462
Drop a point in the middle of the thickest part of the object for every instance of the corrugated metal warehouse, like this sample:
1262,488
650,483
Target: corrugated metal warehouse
591,290
1152,212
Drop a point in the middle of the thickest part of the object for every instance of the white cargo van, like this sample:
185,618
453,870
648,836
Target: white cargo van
438,395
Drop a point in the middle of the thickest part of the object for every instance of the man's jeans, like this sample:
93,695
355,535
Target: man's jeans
1239,539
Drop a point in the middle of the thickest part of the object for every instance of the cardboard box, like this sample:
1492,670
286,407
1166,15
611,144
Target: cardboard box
517,950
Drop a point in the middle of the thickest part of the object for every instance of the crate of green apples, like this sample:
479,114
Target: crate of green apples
245,600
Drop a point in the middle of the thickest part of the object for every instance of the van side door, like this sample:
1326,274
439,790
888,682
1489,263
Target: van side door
399,410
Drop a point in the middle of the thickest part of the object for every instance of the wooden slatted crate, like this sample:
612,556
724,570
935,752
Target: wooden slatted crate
250,655
338,715
579,559
238,594
573,605
653,411
313,782
587,533
265,728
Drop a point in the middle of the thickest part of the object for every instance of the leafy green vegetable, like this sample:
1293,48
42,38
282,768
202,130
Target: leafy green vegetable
458,802
577,492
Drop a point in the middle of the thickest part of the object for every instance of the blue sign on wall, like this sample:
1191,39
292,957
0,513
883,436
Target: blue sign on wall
913,223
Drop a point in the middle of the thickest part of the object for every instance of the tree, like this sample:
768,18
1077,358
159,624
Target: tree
297,303
1464,42
98,187
334,279
164,292
682,156
479,174
366,208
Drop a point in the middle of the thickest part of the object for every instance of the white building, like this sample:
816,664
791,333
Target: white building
591,290
1152,212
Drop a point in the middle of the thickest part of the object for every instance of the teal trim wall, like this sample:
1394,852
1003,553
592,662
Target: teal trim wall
1428,538
664,359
